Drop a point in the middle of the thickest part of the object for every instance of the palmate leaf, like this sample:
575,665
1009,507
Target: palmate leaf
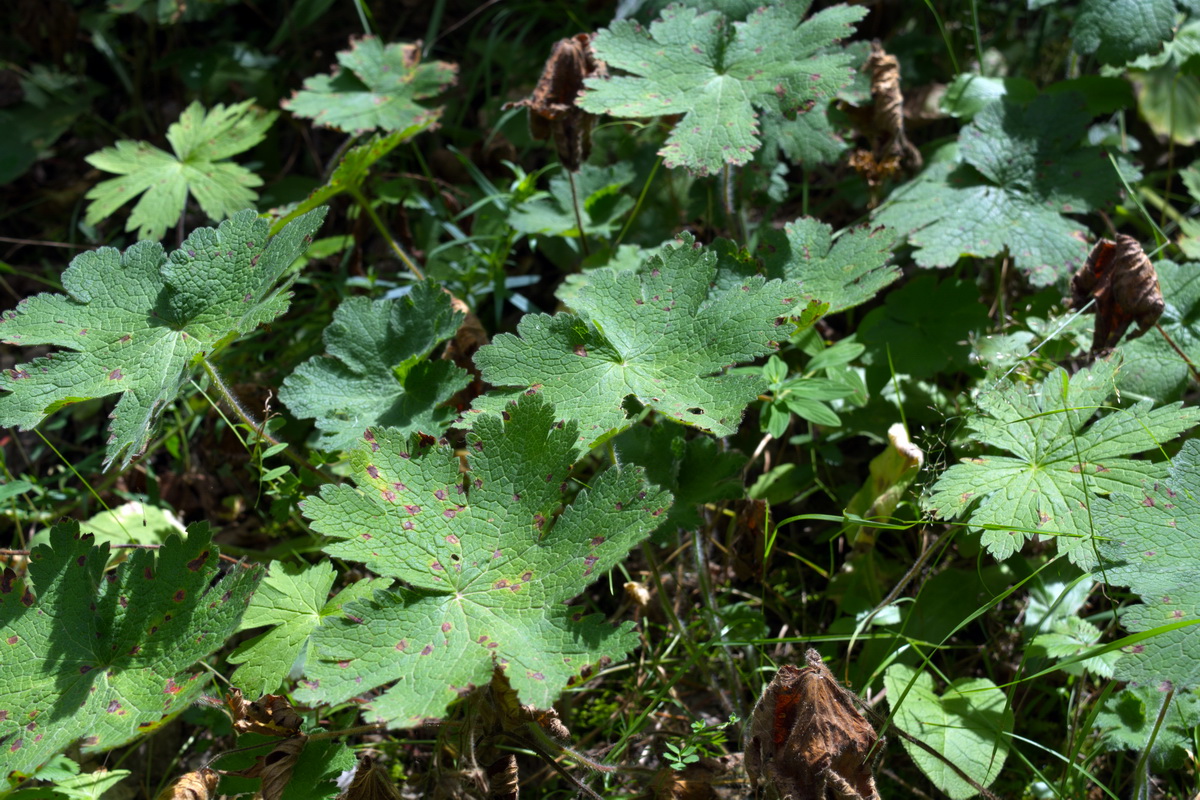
489,559
1150,545
1059,464
378,372
376,86
292,604
103,656
1022,168
134,323
721,75
201,141
661,335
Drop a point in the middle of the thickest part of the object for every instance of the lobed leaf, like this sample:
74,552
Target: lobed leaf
135,323
490,558
103,656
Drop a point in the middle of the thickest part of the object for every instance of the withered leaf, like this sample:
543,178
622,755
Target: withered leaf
198,785
891,151
276,767
270,715
1123,282
552,109
806,740
371,782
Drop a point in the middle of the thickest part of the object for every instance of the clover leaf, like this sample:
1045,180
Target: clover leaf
101,655
378,372
293,604
1150,546
1059,464
490,556
376,86
843,273
201,142
660,335
1016,171
720,75
135,323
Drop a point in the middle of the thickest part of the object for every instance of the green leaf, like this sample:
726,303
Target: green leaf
1150,546
968,93
969,725
104,656
377,86
1130,718
352,171
925,325
293,604
1152,367
1117,31
377,372
720,76
490,559
1073,636
660,335
201,141
844,273
1022,168
695,470
602,203
1059,464
136,323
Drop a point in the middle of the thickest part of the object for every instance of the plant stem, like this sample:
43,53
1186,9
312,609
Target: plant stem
259,428
357,194
578,214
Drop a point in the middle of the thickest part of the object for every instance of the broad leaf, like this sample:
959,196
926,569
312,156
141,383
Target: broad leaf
843,273
378,372
720,76
1117,31
491,558
1022,169
293,604
1059,463
376,86
660,335
201,141
969,725
602,203
1150,546
1130,721
134,323
103,656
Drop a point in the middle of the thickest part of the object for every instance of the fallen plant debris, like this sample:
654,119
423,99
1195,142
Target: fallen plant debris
1120,278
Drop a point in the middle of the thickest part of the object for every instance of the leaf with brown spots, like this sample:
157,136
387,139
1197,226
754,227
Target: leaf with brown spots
1120,278
490,557
104,656
805,739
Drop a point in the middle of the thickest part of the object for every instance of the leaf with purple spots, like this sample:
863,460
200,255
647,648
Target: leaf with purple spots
376,85
1059,464
103,656
1150,545
486,584
661,335
720,75
134,323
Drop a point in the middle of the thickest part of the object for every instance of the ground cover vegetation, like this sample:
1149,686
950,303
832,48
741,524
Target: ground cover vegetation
693,399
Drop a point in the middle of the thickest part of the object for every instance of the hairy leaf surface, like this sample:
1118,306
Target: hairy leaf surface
378,372
721,75
660,335
844,273
134,323
376,86
490,558
1059,463
103,656
202,141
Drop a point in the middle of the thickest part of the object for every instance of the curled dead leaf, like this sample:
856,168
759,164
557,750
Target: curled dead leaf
806,740
276,767
371,782
270,715
198,785
1120,277
552,110
891,152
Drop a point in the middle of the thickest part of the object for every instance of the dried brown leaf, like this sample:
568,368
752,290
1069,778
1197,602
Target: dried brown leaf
270,715
371,782
552,110
198,785
1123,282
807,741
